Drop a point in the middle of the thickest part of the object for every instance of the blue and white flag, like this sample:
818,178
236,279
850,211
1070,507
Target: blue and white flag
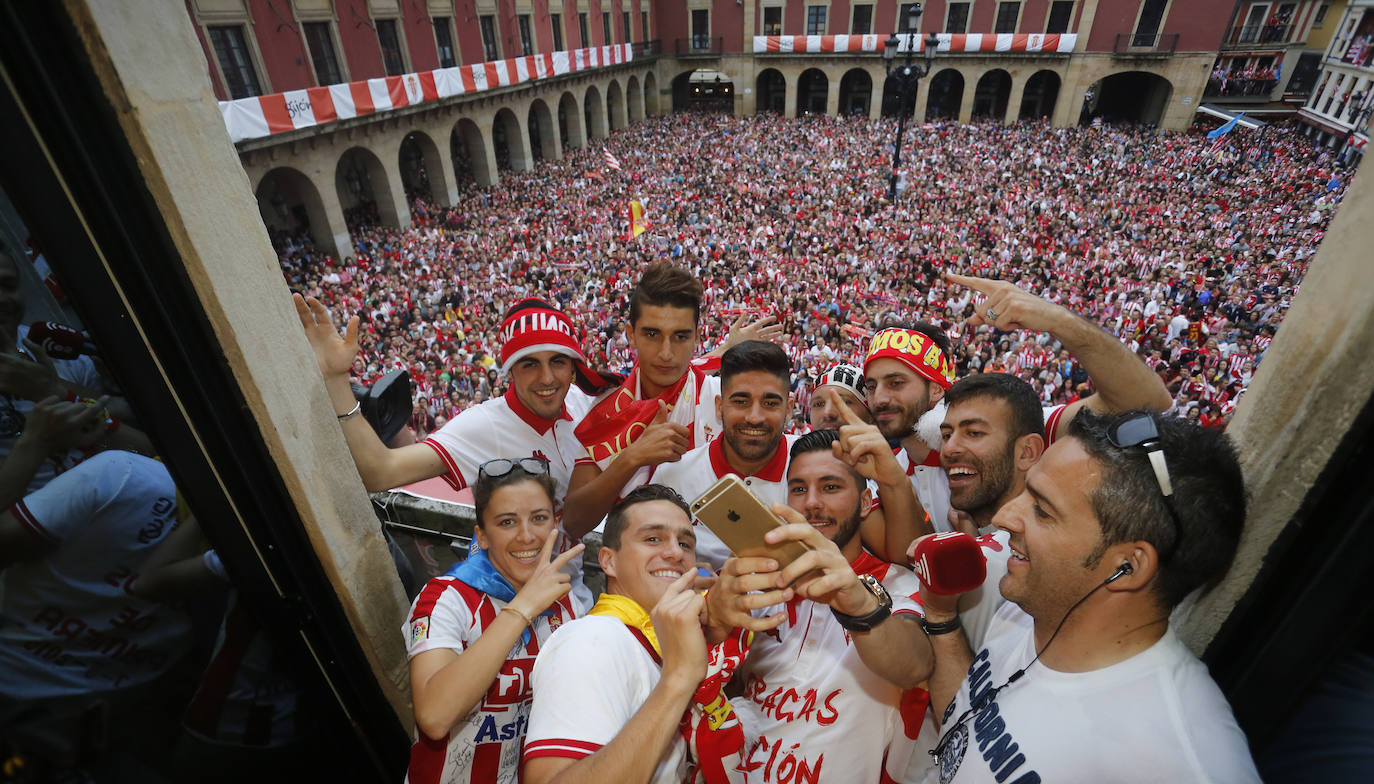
1225,129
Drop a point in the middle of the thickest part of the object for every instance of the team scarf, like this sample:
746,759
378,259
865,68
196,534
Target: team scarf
478,572
711,728
621,417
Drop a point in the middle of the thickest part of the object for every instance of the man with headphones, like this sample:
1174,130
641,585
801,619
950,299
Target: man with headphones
1078,676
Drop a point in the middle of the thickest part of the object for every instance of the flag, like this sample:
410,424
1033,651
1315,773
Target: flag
611,160
638,222
1225,129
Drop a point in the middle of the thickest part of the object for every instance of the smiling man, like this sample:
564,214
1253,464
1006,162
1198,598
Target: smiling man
610,689
1117,523
541,356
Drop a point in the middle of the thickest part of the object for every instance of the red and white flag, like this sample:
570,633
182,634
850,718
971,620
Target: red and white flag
611,160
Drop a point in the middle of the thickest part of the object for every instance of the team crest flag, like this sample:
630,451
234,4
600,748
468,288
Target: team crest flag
638,222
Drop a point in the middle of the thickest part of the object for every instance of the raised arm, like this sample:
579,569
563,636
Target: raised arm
1122,380
380,467
766,328
592,492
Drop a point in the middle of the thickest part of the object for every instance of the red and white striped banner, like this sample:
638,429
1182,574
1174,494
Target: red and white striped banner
949,42
264,115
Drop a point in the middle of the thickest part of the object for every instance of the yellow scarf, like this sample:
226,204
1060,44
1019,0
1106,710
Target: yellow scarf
629,612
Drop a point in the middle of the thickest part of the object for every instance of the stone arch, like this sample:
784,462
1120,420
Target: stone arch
572,130
991,95
473,163
594,113
290,203
509,143
1127,96
422,172
544,136
360,180
703,88
651,104
946,95
856,92
813,88
770,92
634,99
615,105
1040,96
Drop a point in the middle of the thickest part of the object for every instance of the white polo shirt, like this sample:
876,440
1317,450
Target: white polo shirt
505,427
811,704
589,680
704,466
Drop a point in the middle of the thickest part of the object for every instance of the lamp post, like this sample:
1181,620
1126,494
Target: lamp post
908,76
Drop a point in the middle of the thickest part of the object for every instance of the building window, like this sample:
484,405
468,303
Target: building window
556,22
231,50
956,21
701,29
1006,17
644,25
1061,13
488,25
321,45
583,42
1321,15
772,21
526,40
1147,29
605,27
443,36
625,26
391,47
815,20
863,20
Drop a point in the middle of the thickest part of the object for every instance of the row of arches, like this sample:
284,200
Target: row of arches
367,189
1135,96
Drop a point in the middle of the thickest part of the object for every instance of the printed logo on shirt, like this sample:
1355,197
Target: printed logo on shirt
512,684
419,629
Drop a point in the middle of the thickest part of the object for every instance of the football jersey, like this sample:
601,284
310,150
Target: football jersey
811,704
704,466
484,747
589,681
68,622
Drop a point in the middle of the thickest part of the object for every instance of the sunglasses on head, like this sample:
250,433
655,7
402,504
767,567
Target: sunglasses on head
1140,431
503,465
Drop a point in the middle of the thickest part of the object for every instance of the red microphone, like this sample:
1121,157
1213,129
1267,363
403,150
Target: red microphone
59,340
949,563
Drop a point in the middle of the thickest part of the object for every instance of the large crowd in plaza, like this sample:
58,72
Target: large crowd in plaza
1189,254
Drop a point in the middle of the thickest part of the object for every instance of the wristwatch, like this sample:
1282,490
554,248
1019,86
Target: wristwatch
864,623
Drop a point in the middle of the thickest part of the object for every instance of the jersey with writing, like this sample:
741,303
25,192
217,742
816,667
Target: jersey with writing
704,466
589,681
811,709
505,427
1156,716
69,622
484,747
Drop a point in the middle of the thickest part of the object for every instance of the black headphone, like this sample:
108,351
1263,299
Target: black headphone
1121,571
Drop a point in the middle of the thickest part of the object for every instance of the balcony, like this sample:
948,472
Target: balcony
1260,36
698,45
644,49
1143,45
1254,88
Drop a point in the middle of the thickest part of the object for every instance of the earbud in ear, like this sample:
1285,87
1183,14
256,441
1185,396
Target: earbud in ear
1121,571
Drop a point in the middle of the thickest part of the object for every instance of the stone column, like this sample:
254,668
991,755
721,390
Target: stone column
966,101
1014,98
832,97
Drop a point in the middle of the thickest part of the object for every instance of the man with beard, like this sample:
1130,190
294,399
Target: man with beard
907,371
829,684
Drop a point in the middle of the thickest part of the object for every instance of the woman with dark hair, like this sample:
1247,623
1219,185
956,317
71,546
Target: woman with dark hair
474,632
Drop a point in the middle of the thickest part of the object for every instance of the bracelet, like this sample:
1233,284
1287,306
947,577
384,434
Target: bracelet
528,620
352,412
941,627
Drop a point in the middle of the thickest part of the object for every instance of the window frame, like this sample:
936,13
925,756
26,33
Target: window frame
446,24
997,16
1068,23
394,25
812,22
248,60
853,12
949,9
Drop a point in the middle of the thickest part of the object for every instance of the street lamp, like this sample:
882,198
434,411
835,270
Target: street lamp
908,75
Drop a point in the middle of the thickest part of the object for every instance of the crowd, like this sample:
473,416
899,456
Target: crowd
1189,253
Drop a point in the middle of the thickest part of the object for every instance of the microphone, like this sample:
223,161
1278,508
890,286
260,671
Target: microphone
60,341
949,563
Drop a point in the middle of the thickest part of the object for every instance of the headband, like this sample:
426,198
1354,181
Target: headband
914,349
